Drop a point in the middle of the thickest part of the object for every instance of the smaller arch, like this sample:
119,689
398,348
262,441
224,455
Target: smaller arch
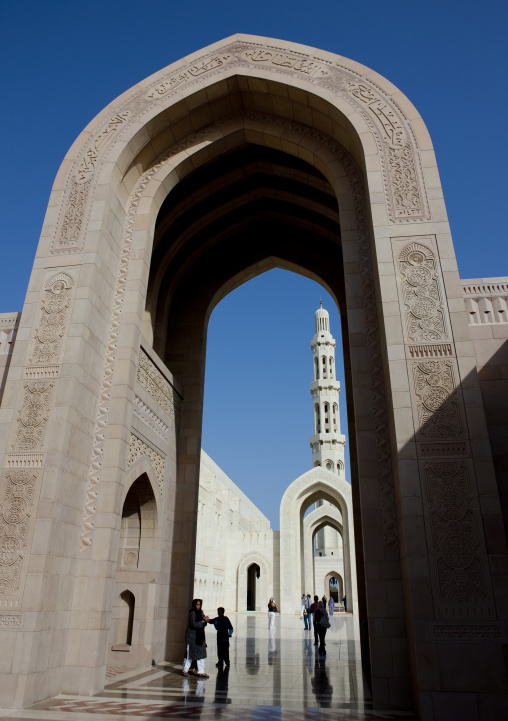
124,622
139,524
142,467
265,580
340,585
253,575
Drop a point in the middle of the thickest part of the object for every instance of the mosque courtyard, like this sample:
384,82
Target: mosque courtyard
273,675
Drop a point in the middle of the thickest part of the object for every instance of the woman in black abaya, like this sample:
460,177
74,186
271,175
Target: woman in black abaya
195,639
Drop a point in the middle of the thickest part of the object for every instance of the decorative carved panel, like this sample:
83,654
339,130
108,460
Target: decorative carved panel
421,295
78,203
139,448
130,557
11,620
152,380
150,418
438,407
456,536
468,631
403,181
33,415
16,509
47,344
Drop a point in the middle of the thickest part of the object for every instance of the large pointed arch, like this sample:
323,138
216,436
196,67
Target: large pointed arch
128,348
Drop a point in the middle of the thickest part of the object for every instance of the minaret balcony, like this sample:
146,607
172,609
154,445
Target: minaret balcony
331,437
325,384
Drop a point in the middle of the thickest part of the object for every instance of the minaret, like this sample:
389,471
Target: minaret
327,443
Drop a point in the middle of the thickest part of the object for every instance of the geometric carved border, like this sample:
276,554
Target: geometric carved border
473,631
10,620
138,449
160,389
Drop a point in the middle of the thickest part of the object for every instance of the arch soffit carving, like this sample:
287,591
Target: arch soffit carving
382,117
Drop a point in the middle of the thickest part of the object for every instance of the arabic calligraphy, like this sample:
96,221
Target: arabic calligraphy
194,72
301,65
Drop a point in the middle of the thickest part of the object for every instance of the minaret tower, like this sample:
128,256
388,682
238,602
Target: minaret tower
327,443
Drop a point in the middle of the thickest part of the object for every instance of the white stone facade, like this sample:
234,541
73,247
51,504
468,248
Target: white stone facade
232,536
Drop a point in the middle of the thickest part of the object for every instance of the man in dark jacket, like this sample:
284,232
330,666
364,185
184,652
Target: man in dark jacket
312,611
224,630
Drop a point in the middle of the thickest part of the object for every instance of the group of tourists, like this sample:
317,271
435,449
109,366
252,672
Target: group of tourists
314,613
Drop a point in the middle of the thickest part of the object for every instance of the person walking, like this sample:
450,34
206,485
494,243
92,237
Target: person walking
312,611
224,631
331,605
322,623
272,610
195,639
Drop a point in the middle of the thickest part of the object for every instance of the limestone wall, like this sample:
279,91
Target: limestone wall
232,534
8,328
487,306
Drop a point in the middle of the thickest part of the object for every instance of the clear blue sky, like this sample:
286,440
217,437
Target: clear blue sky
62,62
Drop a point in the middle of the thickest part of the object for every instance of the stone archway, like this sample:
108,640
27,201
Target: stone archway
111,365
313,521
326,588
317,484
264,587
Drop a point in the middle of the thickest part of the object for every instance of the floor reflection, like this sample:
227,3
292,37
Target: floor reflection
273,675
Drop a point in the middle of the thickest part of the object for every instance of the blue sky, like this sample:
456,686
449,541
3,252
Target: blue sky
62,62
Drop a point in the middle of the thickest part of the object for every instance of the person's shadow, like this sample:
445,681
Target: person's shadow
321,686
222,686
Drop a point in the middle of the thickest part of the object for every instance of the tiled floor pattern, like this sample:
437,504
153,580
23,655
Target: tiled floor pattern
274,676
116,671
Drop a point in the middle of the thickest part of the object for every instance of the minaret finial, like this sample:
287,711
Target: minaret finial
320,303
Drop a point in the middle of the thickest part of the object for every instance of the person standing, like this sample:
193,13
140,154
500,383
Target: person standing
321,621
344,602
224,631
331,605
195,639
304,615
312,612
308,604
272,610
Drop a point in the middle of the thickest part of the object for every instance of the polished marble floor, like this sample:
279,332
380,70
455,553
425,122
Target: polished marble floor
274,675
